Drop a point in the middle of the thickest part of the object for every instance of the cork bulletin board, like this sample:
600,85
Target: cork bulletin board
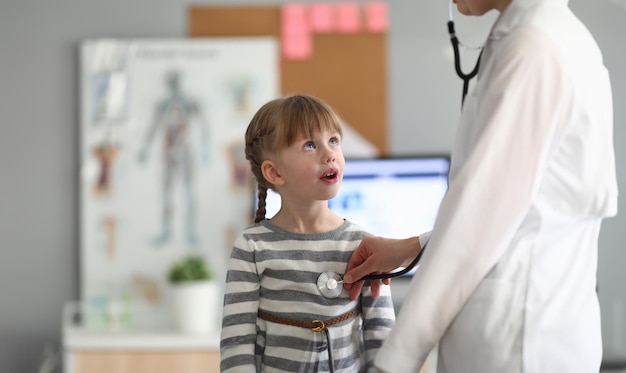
347,70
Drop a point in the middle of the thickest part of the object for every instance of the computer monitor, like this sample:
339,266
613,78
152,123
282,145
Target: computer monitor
396,197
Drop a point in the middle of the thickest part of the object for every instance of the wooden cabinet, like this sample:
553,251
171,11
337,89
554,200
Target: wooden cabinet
145,361
88,351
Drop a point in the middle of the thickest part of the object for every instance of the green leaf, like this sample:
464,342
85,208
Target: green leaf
192,268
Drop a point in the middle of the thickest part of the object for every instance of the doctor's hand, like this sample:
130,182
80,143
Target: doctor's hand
378,255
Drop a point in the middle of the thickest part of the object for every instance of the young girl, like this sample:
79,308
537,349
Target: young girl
274,317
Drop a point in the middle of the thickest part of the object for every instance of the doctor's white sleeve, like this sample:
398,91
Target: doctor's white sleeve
489,194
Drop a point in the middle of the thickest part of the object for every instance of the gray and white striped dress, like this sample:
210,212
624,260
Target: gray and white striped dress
274,270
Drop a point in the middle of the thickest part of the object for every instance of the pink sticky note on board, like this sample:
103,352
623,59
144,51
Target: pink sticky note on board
348,17
296,36
376,17
297,47
321,17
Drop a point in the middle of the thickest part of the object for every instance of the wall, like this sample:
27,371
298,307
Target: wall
39,255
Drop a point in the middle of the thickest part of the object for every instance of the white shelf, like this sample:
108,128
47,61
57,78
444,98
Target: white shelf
77,336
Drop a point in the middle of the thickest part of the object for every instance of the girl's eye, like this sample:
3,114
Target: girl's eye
334,141
309,145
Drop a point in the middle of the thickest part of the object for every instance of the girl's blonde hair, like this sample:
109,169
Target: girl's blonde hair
276,125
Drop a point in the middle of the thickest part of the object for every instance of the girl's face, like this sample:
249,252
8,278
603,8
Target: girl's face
480,7
312,168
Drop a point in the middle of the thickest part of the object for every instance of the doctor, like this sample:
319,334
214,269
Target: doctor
508,280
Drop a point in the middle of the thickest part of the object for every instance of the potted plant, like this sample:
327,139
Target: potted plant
195,295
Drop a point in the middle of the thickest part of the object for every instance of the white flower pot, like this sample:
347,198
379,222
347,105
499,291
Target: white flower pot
197,306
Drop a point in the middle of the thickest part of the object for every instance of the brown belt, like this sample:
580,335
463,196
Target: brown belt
315,325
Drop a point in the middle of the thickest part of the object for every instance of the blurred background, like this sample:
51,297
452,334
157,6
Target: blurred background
40,156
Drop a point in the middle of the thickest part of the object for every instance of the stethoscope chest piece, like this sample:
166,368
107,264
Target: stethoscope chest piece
329,284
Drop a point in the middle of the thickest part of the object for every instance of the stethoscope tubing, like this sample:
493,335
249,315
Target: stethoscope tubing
379,276
457,61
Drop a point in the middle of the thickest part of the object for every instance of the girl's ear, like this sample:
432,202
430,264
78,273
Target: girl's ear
271,174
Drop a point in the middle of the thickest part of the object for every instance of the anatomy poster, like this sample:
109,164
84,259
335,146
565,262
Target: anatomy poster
163,174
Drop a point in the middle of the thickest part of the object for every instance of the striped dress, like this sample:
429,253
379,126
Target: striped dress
274,270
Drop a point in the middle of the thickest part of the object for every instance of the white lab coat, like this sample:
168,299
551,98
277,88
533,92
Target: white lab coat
508,280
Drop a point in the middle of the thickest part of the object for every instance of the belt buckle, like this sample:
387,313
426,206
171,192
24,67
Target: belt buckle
320,326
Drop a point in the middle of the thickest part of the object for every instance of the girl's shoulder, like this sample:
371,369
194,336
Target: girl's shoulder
353,227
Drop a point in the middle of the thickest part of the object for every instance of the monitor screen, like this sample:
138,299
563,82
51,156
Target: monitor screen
396,197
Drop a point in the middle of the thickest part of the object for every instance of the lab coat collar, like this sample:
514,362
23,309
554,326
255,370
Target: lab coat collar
510,18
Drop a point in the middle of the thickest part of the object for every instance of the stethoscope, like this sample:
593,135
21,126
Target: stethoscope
330,283
457,57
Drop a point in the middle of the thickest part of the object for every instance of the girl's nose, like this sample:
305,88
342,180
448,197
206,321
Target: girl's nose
330,157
